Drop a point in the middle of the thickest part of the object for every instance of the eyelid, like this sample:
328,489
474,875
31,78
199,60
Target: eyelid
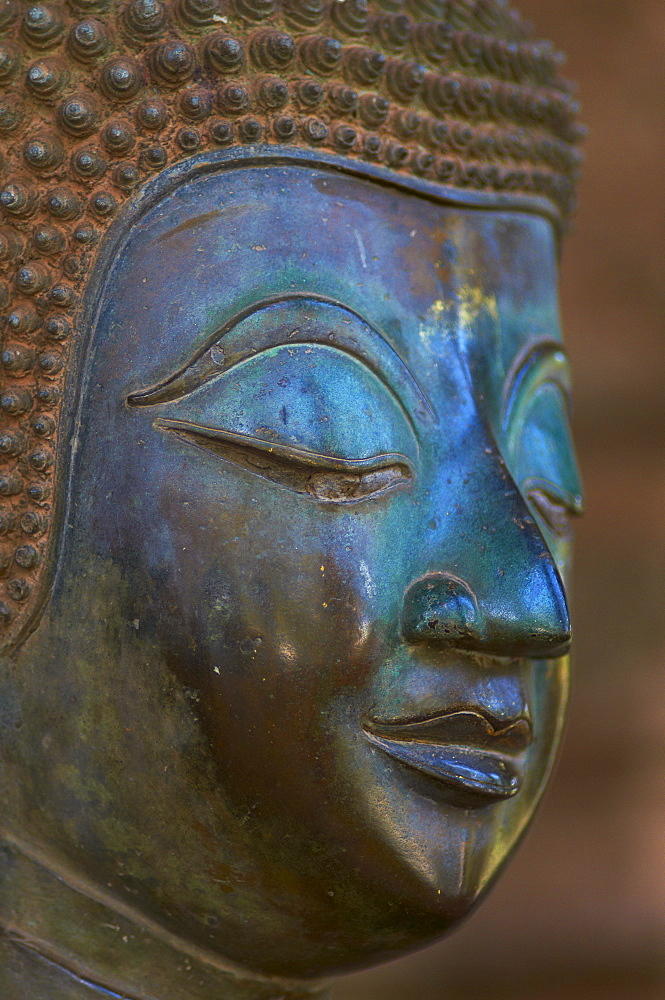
541,364
324,322
324,478
573,503
288,452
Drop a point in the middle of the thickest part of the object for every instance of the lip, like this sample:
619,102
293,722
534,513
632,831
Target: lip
477,759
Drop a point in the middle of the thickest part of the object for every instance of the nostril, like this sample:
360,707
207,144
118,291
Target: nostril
440,608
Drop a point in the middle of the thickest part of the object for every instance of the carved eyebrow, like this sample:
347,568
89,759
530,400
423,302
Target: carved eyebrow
541,363
371,348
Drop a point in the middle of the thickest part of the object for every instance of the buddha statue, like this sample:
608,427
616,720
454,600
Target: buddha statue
286,488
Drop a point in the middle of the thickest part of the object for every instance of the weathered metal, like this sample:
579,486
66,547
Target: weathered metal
288,487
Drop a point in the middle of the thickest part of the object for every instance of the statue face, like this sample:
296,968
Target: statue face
309,592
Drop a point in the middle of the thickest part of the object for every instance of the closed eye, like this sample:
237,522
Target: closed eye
554,506
324,477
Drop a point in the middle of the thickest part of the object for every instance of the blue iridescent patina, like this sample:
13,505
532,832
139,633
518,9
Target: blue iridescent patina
302,674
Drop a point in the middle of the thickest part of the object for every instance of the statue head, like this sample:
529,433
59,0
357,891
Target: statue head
288,475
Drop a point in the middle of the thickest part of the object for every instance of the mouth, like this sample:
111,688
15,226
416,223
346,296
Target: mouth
476,758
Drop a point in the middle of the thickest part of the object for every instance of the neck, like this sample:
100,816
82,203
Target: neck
57,929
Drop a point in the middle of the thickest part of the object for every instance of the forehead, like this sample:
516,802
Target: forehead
219,243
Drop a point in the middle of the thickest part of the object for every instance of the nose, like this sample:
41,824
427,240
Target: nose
504,597
442,609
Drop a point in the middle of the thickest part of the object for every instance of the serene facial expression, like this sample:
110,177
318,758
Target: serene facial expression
325,462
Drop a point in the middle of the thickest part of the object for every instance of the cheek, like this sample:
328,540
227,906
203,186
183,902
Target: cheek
259,582
280,621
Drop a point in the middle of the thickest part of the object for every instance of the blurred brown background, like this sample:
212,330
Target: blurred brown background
580,914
